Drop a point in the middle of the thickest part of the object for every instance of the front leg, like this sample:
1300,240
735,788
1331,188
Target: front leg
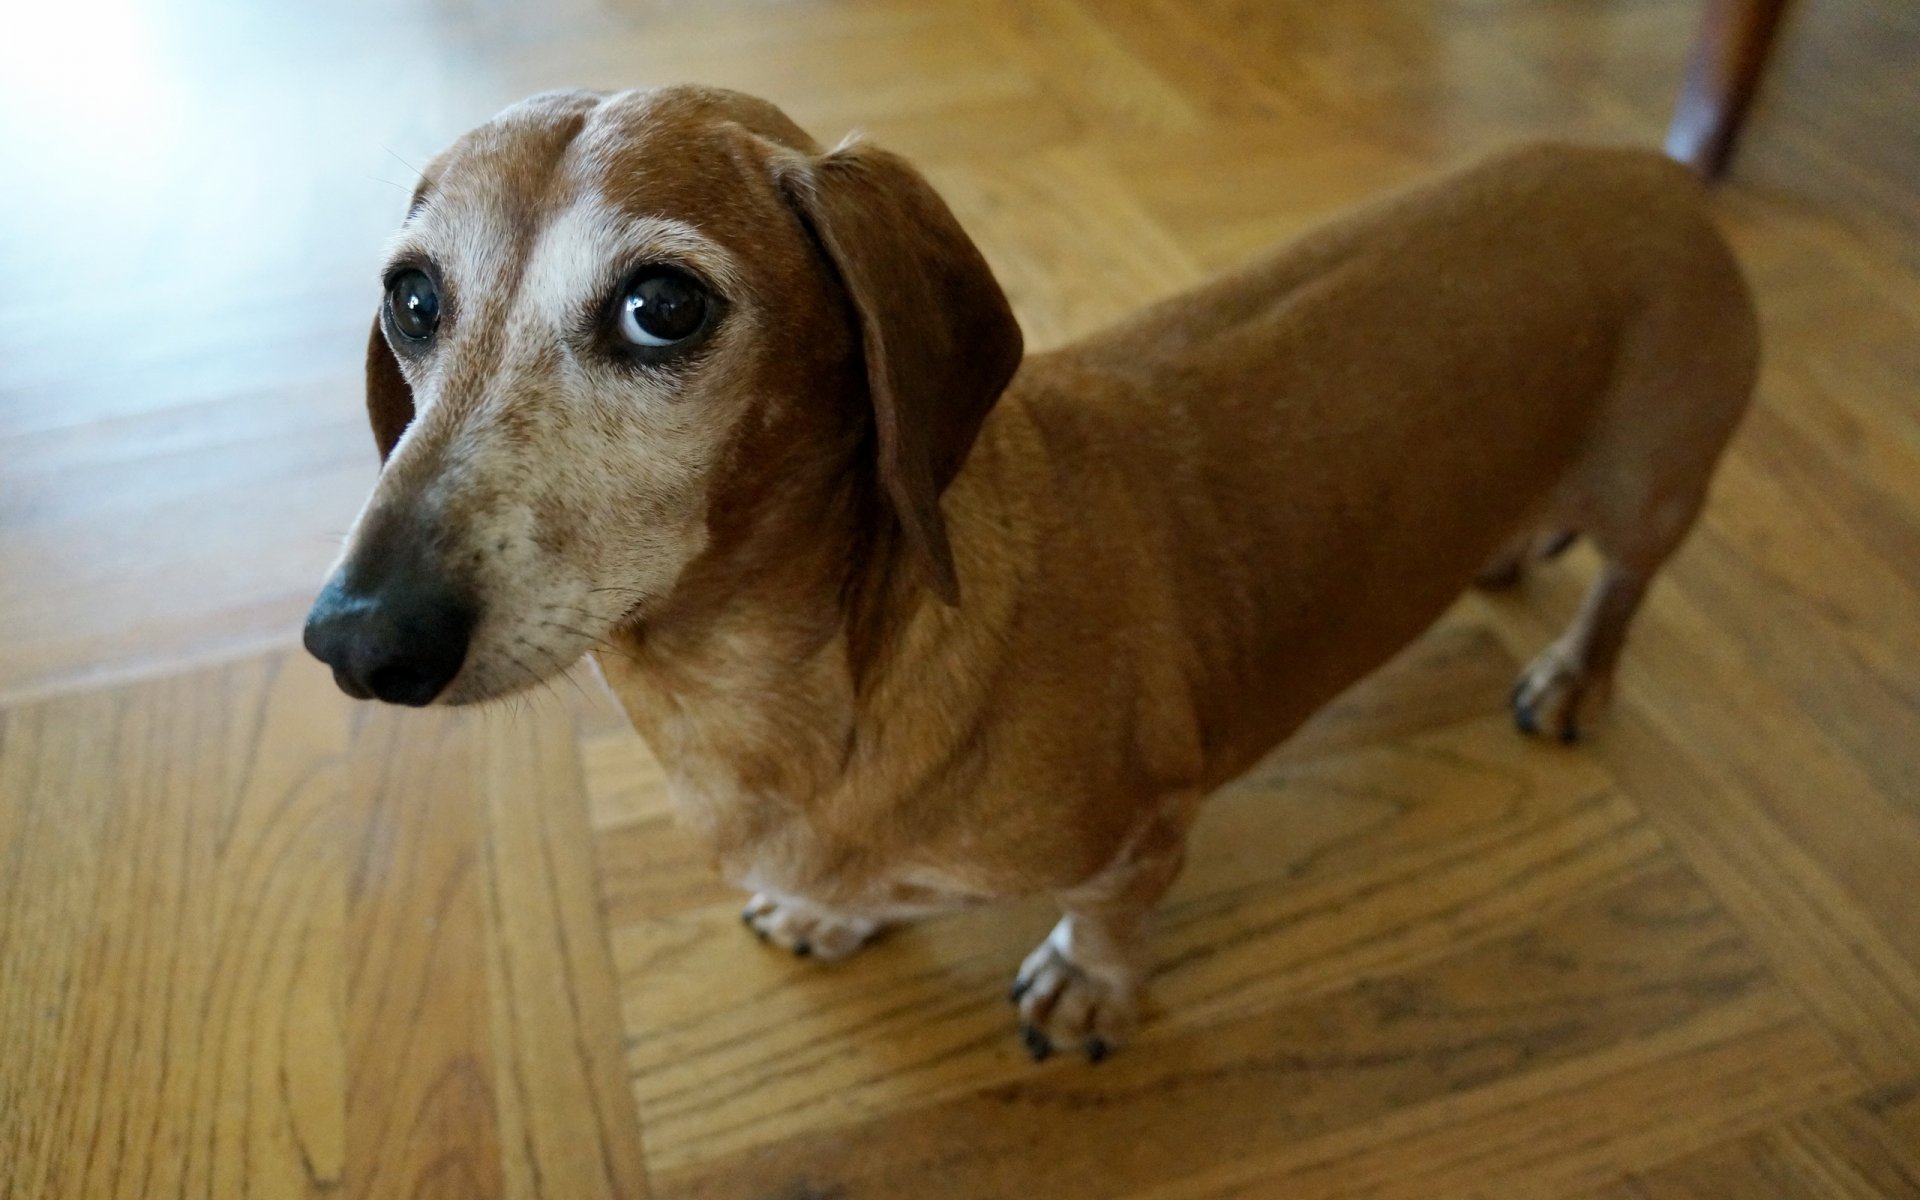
1081,986
807,929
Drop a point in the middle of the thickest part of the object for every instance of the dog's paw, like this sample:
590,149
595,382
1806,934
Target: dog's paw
807,931
1065,1004
1552,696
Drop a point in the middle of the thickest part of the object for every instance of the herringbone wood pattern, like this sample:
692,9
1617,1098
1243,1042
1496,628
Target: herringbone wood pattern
258,941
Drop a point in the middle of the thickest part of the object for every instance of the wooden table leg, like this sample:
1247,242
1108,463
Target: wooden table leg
1725,67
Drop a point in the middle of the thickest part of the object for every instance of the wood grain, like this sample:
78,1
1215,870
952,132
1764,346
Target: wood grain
1302,1070
257,941
172,942
1841,1152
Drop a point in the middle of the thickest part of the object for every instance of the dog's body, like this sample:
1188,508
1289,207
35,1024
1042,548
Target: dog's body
1170,543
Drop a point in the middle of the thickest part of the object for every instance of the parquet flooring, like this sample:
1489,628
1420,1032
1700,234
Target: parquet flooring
259,941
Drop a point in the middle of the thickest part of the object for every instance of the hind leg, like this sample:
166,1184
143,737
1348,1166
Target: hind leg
1636,521
1571,677
1508,567
1683,375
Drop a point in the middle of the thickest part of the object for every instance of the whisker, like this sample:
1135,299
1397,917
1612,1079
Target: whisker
522,699
557,669
592,617
403,162
545,684
594,643
560,670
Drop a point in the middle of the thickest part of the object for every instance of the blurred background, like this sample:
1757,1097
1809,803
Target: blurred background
255,940
197,192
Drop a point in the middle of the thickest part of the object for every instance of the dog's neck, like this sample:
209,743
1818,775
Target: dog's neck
815,637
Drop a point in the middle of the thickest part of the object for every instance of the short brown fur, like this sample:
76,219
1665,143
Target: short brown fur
1169,543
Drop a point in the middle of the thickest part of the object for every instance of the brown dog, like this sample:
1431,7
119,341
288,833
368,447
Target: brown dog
911,623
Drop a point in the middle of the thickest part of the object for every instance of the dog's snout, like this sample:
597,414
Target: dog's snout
401,642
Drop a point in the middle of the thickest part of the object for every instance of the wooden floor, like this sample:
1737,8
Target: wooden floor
257,941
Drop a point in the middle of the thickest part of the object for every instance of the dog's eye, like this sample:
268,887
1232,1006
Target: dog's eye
415,304
663,306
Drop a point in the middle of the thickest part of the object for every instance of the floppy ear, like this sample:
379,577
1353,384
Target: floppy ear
939,340
389,398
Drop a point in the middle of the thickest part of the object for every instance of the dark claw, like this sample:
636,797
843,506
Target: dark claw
1523,718
1096,1049
1020,987
762,934
802,949
1037,1043
746,916
1569,733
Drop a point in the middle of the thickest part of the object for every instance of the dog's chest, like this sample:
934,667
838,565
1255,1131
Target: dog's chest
757,767
772,845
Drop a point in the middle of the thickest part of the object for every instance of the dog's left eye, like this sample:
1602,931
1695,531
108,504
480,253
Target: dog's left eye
662,307
415,304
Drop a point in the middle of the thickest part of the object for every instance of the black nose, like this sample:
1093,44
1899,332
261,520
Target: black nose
402,642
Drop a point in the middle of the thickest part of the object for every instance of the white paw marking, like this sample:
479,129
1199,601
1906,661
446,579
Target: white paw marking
1065,1002
802,929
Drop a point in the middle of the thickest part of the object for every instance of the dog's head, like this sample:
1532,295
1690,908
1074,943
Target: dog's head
617,332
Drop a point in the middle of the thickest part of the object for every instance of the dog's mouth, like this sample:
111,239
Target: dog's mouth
419,646
538,648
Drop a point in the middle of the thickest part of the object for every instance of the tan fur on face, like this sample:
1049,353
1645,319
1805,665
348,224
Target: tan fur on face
1169,543
569,491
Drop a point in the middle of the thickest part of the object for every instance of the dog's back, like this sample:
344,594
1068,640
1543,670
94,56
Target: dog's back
1311,456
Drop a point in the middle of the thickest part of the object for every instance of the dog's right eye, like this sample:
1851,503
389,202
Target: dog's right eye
415,305
662,307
